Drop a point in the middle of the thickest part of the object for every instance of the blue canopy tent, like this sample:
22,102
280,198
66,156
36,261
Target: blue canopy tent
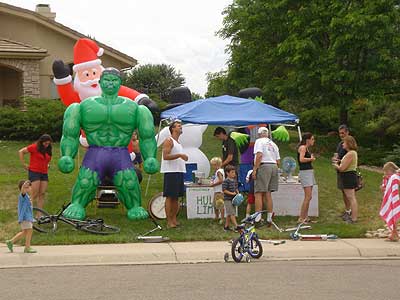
229,111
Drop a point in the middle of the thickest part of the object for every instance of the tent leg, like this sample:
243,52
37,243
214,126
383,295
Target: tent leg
299,131
158,136
270,132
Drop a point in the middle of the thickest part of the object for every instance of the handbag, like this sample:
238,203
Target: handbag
360,181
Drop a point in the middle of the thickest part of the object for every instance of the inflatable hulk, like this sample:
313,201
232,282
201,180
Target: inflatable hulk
108,121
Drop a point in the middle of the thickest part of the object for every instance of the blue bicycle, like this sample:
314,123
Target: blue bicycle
247,244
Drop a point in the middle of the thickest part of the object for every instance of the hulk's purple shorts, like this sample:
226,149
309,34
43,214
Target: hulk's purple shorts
107,161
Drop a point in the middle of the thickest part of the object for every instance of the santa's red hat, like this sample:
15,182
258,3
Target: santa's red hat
86,53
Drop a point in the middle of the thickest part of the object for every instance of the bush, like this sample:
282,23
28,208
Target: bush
394,155
319,120
40,116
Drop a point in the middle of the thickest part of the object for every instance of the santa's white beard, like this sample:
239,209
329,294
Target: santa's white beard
85,89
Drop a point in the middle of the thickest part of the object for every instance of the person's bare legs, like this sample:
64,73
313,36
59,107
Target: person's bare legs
394,236
306,203
35,193
216,211
222,212
258,201
175,210
28,237
18,236
233,219
346,201
248,209
168,211
42,190
351,196
227,221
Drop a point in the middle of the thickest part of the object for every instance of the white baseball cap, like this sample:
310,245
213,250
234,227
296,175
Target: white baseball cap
262,130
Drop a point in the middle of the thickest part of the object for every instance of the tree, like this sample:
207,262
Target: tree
218,84
196,96
155,79
314,53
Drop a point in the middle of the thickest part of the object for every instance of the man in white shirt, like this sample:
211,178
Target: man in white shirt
173,166
265,171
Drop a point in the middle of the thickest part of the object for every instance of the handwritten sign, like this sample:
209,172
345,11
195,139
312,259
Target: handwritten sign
199,202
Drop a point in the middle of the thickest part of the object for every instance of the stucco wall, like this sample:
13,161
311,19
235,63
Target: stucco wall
58,45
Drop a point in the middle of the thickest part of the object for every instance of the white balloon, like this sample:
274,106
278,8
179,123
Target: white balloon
191,139
160,138
192,135
198,157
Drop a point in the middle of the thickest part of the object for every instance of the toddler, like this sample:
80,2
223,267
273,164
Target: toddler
217,180
25,218
389,170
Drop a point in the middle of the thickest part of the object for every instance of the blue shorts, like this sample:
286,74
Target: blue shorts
34,176
173,185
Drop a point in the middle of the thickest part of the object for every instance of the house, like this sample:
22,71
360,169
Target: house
29,43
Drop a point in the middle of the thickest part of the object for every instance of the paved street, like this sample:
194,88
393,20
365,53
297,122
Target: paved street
361,279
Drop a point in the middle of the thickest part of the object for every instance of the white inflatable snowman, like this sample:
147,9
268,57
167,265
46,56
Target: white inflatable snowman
191,139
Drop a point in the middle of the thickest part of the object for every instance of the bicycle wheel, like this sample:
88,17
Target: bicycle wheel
237,250
99,228
42,221
256,249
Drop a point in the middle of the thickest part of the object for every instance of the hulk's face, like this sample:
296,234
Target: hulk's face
110,84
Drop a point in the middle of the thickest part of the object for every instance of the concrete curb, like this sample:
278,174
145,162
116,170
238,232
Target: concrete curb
192,252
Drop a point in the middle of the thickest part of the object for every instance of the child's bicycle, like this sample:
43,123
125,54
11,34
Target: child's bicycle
247,244
46,223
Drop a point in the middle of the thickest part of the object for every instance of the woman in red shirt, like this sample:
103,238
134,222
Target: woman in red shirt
40,156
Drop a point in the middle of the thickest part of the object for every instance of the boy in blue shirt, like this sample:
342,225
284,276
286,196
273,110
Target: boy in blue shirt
25,218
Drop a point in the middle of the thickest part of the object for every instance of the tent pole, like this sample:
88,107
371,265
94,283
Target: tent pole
270,132
299,131
158,136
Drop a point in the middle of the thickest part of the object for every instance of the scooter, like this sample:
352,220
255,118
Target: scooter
155,238
295,236
300,226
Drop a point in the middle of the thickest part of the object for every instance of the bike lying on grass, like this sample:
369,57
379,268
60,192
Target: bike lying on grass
46,223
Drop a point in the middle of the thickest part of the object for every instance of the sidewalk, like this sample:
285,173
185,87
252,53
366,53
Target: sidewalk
193,252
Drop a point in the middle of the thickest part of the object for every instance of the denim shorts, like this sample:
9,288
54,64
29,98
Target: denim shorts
33,176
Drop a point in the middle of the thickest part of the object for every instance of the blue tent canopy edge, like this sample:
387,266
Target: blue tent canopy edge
229,111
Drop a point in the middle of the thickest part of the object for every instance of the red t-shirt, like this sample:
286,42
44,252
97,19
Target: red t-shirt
38,162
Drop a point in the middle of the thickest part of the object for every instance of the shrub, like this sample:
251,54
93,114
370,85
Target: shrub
319,120
40,116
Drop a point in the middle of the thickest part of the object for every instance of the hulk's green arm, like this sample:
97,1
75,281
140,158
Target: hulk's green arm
145,126
71,129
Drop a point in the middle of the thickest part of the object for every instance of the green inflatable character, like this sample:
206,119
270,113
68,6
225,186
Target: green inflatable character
109,122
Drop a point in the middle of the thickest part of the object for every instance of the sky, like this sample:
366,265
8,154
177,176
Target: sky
180,33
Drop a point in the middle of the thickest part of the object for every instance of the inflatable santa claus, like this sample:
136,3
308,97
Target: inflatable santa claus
88,68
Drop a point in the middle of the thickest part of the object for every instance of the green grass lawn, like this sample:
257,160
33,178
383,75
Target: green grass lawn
60,185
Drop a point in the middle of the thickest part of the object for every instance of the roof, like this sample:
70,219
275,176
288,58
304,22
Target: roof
228,110
28,14
9,48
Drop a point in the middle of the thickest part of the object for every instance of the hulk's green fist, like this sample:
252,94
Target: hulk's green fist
151,165
66,164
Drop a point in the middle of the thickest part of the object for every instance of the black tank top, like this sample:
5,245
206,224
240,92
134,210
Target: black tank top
307,165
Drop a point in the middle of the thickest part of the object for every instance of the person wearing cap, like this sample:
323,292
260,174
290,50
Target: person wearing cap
265,171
